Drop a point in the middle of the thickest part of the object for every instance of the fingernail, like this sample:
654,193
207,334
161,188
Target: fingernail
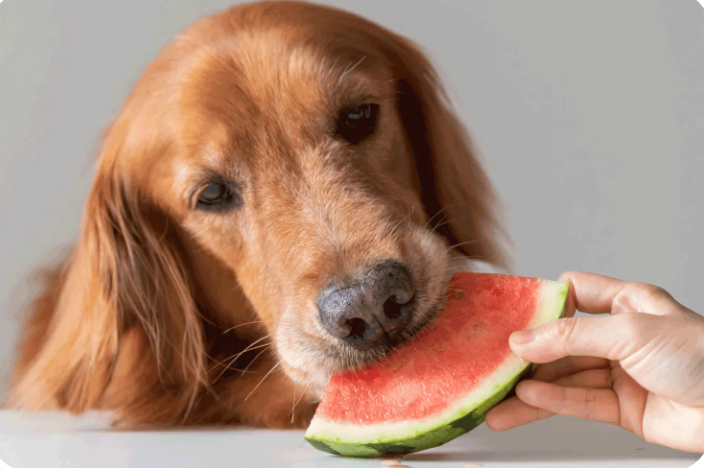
522,337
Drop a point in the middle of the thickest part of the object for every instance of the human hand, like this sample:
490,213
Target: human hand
641,367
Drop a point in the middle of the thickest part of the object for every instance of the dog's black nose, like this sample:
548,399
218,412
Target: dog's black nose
375,308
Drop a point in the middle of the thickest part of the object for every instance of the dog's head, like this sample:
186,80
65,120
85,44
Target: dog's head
299,159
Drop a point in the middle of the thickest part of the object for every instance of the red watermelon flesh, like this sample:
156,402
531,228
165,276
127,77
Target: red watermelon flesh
438,385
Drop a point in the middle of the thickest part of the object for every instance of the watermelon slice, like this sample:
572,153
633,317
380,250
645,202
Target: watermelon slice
440,384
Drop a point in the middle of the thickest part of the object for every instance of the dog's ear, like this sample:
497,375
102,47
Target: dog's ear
455,190
125,277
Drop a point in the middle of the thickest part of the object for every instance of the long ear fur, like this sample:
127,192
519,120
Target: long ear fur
455,189
125,274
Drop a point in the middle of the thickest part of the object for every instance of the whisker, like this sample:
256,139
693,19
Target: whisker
230,360
406,219
241,325
248,348
266,348
461,244
349,70
262,381
295,403
440,212
234,358
444,222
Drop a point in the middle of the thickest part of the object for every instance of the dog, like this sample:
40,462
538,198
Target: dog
283,195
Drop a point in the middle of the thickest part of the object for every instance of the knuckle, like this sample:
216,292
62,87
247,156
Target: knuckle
566,330
634,328
562,400
590,401
631,323
652,293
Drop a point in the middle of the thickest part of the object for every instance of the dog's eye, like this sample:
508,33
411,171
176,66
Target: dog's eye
357,123
217,197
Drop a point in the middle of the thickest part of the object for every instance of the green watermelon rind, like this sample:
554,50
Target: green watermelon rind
436,437
462,417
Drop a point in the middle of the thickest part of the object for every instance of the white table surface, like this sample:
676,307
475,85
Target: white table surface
49,440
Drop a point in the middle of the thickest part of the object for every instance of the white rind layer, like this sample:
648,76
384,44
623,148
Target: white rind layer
549,307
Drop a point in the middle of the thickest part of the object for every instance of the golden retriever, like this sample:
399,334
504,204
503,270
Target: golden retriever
279,198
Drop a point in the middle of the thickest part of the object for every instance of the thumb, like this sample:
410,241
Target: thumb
612,337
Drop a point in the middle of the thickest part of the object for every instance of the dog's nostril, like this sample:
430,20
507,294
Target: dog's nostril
392,308
358,328
375,309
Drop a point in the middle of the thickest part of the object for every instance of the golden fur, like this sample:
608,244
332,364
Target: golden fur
167,315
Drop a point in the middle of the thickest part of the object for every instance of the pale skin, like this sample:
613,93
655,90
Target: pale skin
640,365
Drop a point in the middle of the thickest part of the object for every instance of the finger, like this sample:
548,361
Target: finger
597,294
613,337
595,404
634,399
568,366
646,298
513,413
593,378
590,293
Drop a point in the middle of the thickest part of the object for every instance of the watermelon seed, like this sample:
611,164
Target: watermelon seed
458,294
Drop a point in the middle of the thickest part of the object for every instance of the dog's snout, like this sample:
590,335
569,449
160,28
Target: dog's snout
373,309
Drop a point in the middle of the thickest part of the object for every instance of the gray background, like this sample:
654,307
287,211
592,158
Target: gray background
590,115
